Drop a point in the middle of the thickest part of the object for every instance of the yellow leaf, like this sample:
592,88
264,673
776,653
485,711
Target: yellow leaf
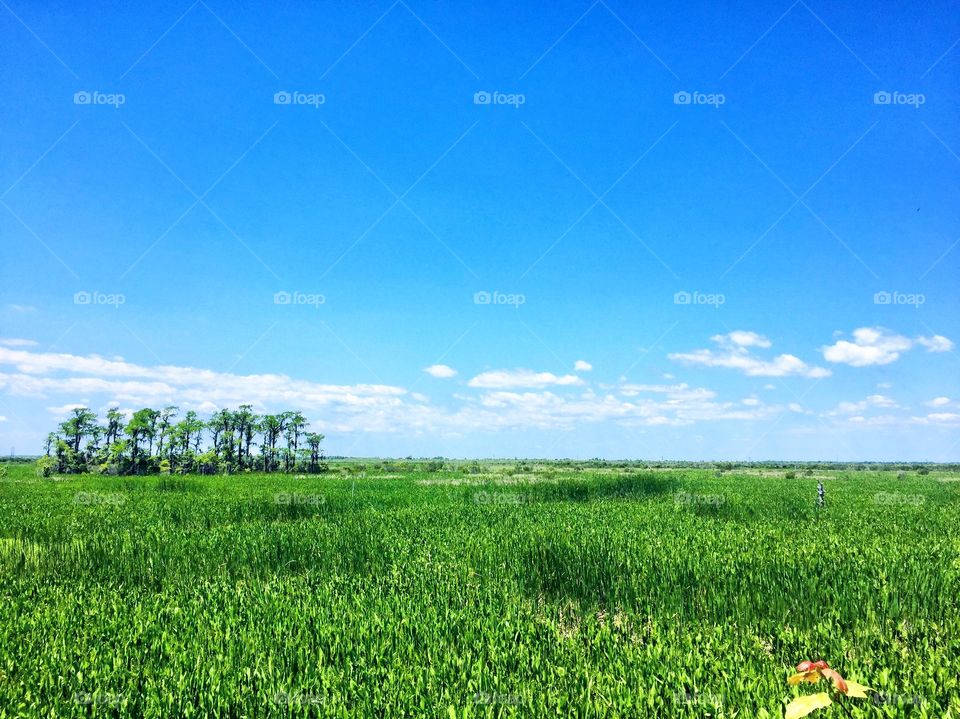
801,706
812,677
857,690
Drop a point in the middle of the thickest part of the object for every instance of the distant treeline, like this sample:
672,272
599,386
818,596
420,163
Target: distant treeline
154,441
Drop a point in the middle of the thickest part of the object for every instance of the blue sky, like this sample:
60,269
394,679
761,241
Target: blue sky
729,232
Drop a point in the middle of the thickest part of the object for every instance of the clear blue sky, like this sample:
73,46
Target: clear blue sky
177,196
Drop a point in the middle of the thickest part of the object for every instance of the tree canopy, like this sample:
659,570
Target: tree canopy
150,441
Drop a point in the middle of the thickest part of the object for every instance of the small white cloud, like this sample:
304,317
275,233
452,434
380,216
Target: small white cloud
937,343
17,342
937,418
769,386
857,408
22,308
2,418
734,354
742,338
879,346
64,410
870,346
582,366
440,371
667,375
750,401
505,379
938,402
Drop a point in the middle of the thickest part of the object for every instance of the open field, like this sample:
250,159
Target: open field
495,590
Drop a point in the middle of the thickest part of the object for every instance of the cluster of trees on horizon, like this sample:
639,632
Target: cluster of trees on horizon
153,441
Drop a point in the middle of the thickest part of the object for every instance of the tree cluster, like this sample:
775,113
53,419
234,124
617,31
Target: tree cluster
155,441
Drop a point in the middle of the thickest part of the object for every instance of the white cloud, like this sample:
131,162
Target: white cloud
875,421
17,342
750,401
2,418
64,410
943,417
440,371
879,346
369,406
874,400
22,308
582,366
507,379
673,392
742,338
101,383
938,402
733,354
937,343
938,418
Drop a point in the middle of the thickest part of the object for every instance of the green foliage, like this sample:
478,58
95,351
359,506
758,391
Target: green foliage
152,442
45,466
562,590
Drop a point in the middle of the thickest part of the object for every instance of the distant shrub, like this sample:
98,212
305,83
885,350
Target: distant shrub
923,471
45,466
790,475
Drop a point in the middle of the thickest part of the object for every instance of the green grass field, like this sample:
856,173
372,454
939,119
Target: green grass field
535,591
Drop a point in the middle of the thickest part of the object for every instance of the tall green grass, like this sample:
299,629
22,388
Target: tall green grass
551,592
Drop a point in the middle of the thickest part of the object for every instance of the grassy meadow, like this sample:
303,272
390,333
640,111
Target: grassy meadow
475,590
